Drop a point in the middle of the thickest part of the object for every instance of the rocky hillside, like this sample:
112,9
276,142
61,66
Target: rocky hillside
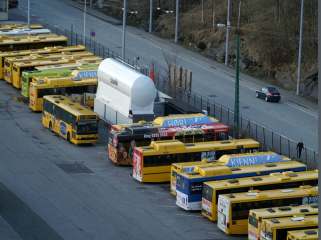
269,32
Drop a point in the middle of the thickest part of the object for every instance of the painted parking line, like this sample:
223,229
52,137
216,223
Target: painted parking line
189,215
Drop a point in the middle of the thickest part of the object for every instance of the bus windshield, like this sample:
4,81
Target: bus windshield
87,127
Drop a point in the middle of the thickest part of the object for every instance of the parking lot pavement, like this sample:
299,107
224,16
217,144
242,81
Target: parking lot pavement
76,193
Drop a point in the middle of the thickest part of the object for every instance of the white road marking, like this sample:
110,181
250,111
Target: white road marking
168,206
309,112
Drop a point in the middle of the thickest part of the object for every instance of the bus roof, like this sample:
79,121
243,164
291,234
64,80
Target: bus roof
180,166
69,105
42,50
92,61
41,62
10,26
175,120
175,146
254,195
290,222
147,131
233,160
284,211
205,171
273,178
41,82
4,40
65,71
20,60
306,234
78,65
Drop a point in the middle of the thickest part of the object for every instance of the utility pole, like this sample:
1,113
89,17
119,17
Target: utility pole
150,16
202,12
28,14
300,49
176,22
228,25
124,29
237,79
84,27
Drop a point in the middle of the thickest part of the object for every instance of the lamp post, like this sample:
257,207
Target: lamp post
28,15
124,30
150,16
176,22
84,23
228,25
237,78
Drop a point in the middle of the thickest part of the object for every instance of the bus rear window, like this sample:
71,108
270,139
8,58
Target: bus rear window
282,233
253,221
207,193
241,210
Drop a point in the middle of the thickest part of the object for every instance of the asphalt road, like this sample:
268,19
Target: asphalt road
101,201
294,117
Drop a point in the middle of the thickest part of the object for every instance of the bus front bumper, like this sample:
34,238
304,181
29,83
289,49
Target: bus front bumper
85,139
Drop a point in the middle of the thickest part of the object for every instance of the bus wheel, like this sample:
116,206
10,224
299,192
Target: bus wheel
50,126
68,137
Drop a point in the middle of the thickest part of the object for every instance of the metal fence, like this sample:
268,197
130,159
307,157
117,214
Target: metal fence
269,139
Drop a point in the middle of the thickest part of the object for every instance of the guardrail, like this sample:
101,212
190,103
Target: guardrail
269,139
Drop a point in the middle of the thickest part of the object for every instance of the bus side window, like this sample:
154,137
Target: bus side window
48,107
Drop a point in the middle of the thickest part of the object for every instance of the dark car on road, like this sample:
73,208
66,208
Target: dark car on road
269,94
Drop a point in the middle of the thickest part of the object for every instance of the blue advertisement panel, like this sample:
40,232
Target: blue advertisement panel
186,121
253,160
86,74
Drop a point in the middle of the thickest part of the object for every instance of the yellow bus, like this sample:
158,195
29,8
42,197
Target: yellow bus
123,138
28,52
278,228
20,66
233,209
70,120
10,43
212,190
58,72
232,160
78,85
153,163
307,234
189,186
256,216
29,62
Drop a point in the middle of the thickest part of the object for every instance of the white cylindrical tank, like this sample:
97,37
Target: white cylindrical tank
125,90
